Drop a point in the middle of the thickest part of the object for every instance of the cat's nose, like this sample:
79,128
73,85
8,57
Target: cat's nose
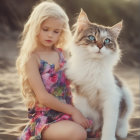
99,45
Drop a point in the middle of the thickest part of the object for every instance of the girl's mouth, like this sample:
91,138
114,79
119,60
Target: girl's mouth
49,41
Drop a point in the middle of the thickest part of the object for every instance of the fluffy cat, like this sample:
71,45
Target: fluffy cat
98,94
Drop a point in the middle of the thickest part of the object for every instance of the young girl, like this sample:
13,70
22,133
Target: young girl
43,83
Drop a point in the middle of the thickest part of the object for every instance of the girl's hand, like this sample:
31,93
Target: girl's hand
78,117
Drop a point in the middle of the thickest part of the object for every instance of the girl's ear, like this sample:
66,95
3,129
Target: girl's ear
116,29
82,20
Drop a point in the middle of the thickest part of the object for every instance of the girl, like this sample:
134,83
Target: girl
43,83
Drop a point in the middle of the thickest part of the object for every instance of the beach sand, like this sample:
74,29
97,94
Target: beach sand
13,114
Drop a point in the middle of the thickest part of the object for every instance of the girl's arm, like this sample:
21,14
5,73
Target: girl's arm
43,97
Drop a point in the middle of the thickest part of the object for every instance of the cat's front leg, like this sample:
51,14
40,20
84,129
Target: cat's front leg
110,117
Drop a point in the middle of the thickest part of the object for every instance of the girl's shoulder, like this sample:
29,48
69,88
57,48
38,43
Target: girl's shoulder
33,59
64,52
61,51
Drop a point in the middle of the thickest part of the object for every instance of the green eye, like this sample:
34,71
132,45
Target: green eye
107,41
91,38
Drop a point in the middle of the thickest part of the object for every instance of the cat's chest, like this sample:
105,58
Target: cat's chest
90,72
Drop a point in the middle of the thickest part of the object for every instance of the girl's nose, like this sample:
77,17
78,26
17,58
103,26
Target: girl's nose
50,34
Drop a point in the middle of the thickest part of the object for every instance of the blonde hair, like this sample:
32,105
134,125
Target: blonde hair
29,43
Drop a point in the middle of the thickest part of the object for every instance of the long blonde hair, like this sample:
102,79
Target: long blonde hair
29,43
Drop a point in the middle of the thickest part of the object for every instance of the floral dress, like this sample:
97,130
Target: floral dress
56,84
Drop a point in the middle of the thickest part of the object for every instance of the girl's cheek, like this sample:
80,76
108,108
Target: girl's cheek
58,35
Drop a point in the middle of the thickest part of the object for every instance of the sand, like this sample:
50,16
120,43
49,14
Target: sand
13,114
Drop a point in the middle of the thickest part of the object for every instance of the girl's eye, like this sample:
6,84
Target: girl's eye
91,38
45,29
56,32
107,41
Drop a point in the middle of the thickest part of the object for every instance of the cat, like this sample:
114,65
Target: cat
97,92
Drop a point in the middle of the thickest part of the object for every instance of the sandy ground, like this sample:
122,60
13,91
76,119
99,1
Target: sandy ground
13,115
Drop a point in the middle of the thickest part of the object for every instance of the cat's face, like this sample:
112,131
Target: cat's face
97,40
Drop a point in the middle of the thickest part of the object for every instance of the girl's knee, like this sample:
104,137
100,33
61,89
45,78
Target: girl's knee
65,130
78,133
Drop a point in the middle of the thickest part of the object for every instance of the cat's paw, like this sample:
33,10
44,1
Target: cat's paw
122,132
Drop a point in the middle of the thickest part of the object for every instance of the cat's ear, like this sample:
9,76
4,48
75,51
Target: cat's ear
82,20
116,29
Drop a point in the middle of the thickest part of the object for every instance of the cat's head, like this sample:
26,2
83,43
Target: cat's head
97,40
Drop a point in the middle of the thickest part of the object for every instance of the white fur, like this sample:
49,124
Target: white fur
93,72
103,34
86,110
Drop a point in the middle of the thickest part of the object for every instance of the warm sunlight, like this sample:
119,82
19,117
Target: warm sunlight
67,66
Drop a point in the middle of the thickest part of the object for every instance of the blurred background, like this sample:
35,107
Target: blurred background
13,15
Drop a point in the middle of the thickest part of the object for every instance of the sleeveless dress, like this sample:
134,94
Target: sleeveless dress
56,84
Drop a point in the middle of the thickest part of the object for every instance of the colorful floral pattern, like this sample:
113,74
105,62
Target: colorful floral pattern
56,84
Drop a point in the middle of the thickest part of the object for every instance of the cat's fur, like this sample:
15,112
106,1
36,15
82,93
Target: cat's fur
98,94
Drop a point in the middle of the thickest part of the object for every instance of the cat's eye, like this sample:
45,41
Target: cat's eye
91,38
107,41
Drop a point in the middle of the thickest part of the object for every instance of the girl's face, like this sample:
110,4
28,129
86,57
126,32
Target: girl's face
50,32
